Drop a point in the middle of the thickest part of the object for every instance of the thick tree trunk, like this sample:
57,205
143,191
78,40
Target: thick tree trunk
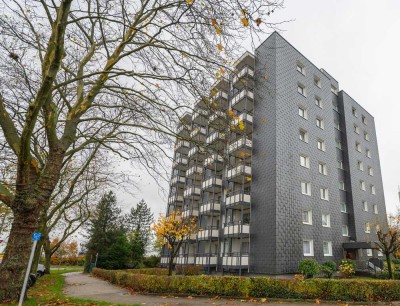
389,265
17,254
47,254
36,257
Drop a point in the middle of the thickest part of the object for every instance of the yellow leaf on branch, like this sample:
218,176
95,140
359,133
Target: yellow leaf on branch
245,22
220,48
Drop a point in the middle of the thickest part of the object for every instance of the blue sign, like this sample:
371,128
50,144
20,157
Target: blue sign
36,236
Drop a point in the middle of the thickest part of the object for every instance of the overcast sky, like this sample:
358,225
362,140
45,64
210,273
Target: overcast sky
358,43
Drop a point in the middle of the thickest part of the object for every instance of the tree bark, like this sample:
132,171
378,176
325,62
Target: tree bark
47,256
36,256
389,264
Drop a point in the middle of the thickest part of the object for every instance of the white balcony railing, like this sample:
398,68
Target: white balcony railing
177,180
212,181
241,95
180,161
217,115
182,144
210,207
219,95
208,233
198,130
194,170
196,150
192,191
238,198
239,170
245,71
175,198
242,142
236,228
215,158
190,213
215,136
235,261
205,259
185,260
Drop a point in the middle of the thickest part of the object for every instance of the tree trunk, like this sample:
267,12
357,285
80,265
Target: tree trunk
36,256
171,262
47,254
389,264
17,253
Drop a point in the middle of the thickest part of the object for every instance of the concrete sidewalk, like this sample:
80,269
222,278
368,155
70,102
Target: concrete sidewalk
84,286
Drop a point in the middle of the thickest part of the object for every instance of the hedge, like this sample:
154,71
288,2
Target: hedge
256,287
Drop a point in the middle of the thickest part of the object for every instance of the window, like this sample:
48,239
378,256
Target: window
369,252
380,253
326,220
373,191
308,247
306,188
356,129
334,90
336,124
358,146
324,194
303,135
321,144
322,168
343,207
302,112
300,68
368,153
335,106
301,89
320,123
362,185
307,217
360,165
366,136
327,245
370,171
317,81
340,164
365,205
318,102
377,228
367,228
375,209
342,186
354,112
339,144
304,161
345,230
364,119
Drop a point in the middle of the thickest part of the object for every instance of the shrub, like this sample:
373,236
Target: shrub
256,287
347,268
385,275
328,268
187,270
308,267
396,261
151,261
149,271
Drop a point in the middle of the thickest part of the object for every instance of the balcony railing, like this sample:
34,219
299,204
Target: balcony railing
239,173
177,180
175,198
210,232
214,161
197,153
238,198
218,119
180,163
247,119
200,116
198,131
236,228
216,138
243,100
212,184
185,260
244,77
190,213
183,130
182,146
210,208
192,191
235,260
207,259
165,260
194,170
241,147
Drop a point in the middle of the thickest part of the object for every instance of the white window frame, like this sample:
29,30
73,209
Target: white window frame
305,133
329,246
327,219
345,230
321,145
356,129
322,168
365,205
380,253
306,188
334,90
309,217
370,171
368,153
324,192
342,186
318,102
320,123
360,165
364,119
317,81
354,112
300,68
311,244
358,146
367,228
305,161
369,252
366,136
343,205
340,164
373,189
301,89
362,185
375,208
336,125
303,112
339,144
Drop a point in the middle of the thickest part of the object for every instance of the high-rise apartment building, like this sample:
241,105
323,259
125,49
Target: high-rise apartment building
278,165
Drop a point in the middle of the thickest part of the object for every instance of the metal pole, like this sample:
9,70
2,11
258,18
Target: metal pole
28,270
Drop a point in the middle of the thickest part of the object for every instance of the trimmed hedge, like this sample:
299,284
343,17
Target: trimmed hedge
148,271
256,287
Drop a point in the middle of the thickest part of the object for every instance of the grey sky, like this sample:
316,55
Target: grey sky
357,42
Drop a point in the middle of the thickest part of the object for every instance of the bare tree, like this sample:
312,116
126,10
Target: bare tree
78,73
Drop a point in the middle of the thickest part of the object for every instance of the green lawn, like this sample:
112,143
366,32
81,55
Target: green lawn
48,291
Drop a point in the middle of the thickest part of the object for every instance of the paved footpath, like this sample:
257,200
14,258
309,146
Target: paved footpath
84,286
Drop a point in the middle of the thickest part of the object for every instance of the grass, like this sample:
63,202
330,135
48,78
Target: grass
48,290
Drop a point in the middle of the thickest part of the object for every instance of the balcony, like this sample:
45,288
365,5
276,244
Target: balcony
177,180
219,100
244,77
218,120
175,198
237,229
198,134
165,260
239,198
216,140
192,191
182,130
211,208
180,163
243,101
235,260
209,233
190,212
200,117
182,146
197,153
206,259
247,119
215,161
241,147
185,260
194,171
239,174
212,184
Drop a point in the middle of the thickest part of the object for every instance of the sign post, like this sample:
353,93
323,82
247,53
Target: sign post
35,238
